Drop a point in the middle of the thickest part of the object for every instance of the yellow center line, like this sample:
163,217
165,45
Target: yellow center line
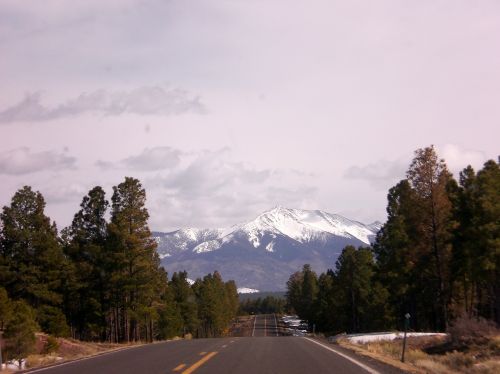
180,367
197,364
203,353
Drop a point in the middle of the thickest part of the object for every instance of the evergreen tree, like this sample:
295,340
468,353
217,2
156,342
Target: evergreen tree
86,298
465,268
133,257
326,305
309,292
487,223
20,332
33,259
354,272
397,256
294,291
429,178
185,299
5,308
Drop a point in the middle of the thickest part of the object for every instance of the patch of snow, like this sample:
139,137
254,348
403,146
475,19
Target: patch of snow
15,365
366,338
270,247
254,239
247,290
207,246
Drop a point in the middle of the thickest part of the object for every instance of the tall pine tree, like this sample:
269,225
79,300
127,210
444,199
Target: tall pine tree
34,263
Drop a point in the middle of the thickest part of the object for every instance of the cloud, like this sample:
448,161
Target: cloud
149,100
457,158
22,161
150,159
380,174
154,159
208,189
58,194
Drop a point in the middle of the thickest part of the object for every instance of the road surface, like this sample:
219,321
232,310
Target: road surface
265,325
263,353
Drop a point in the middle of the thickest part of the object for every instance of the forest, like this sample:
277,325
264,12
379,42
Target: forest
437,257
98,279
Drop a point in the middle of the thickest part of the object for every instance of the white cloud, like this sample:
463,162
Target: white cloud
381,174
150,159
457,158
208,189
150,100
23,161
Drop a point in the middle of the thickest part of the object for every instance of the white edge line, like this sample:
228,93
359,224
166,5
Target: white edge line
367,368
254,320
276,324
265,326
57,365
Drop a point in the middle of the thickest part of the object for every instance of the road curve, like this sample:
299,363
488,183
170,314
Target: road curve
291,355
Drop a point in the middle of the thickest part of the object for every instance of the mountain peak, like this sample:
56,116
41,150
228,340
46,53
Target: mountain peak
262,252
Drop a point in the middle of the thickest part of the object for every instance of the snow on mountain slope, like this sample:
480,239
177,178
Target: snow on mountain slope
305,225
301,226
262,253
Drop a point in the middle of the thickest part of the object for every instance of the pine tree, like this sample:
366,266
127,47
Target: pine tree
429,178
136,265
185,299
34,262
464,267
5,308
309,292
20,332
397,255
487,222
294,291
354,272
86,299
326,305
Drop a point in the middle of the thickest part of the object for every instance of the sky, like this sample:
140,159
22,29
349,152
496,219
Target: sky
226,108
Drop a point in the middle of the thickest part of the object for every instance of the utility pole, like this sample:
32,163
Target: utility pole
407,324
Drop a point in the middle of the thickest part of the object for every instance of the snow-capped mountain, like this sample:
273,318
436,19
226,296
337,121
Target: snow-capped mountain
264,252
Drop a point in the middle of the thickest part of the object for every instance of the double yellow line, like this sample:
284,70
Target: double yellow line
196,365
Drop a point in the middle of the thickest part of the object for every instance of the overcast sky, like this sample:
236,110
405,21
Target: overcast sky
226,108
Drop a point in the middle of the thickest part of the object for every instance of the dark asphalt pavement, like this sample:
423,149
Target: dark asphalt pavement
263,353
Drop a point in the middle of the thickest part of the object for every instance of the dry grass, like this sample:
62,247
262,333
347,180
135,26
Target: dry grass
481,355
67,349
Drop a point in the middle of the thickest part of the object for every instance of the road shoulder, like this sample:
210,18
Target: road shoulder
379,364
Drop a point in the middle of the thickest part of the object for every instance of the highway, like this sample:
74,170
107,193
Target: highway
264,352
265,325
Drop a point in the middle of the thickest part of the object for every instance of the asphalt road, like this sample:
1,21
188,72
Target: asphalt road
263,353
265,325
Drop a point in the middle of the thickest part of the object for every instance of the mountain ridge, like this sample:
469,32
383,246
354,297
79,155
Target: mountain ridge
267,249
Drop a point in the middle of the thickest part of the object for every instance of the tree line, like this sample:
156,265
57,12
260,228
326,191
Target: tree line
100,279
263,305
437,257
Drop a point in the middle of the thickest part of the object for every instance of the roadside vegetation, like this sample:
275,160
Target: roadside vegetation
472,346
98,280
436,258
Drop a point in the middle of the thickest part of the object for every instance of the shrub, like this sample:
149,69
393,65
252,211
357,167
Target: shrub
466,331
52,321
52,344
19,334
458,361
